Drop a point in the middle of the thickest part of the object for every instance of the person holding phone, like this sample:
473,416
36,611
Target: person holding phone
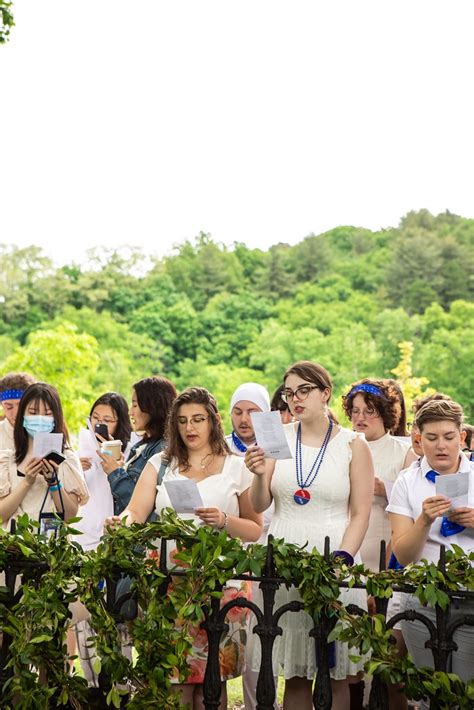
110,420
152,398
40,485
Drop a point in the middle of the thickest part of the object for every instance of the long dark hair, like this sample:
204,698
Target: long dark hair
120,407
155,395
49,395
176,448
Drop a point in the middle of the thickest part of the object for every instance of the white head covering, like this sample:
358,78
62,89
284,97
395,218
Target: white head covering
252,392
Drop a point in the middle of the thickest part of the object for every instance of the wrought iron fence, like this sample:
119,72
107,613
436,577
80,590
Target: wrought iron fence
267,628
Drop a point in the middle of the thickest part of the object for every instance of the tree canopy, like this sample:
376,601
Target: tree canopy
215,315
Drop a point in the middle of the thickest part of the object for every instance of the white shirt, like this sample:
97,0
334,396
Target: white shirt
268,513
412,488
6,435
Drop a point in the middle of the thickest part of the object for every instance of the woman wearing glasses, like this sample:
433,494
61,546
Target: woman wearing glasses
325,489
196,450
111,410
373,408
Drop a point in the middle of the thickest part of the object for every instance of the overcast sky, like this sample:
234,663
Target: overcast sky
144,122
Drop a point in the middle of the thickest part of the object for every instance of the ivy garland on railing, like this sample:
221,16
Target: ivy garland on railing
38,622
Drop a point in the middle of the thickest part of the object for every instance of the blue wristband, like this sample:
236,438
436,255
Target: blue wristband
56,487
344,556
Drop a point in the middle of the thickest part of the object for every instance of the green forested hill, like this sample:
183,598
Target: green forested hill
216,316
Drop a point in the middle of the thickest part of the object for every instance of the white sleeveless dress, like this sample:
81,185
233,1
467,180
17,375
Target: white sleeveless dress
327,513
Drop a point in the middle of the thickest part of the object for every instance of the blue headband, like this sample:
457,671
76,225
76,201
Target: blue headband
11,394
371,389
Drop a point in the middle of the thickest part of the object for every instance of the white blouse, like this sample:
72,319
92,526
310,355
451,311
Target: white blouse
69,473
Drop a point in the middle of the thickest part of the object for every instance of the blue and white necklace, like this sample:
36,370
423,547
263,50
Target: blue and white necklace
302,496
238,444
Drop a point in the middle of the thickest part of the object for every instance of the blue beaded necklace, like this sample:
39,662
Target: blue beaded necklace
238,444
302,496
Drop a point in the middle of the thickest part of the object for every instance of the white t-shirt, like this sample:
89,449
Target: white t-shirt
412,488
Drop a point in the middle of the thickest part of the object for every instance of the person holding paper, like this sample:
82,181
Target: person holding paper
247,399
197,453
30,484
423,519
325,489
12,388
373,408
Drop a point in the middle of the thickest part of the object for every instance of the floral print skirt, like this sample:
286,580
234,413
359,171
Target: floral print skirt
233,643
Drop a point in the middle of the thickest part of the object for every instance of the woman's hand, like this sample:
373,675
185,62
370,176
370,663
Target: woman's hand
32,469
50,470
211,516
115,521
109,464
255,460
379,488
86,463
434,507
463,516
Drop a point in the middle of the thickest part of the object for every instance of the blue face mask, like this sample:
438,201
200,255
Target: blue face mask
38,424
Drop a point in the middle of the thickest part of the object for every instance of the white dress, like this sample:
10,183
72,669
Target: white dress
327,513
221,490
388,454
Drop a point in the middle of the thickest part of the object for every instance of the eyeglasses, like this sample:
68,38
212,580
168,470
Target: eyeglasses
194,421
369,413
104,420
301,393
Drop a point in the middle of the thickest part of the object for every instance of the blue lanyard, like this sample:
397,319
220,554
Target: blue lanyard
317,461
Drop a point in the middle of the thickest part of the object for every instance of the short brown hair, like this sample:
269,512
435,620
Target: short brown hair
386,404
16,381
439,410
176,448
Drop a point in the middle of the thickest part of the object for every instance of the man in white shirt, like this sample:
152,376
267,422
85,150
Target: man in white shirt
247,398
12,387
422,520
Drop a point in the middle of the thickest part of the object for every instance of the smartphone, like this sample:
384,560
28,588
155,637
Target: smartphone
55,457
102,430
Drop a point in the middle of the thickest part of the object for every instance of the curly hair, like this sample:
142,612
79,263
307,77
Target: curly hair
386,404
176,448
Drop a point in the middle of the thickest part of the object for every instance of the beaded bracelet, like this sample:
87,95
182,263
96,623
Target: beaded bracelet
56,486
344,556
223,527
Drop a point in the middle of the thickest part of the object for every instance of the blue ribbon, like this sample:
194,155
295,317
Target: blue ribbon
448,527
